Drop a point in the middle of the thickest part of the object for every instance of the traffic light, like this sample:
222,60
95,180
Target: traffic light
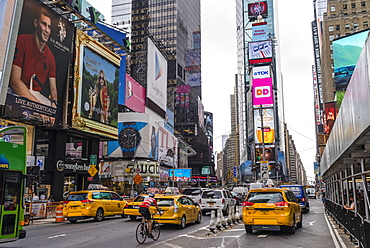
126,44
33,175
258,155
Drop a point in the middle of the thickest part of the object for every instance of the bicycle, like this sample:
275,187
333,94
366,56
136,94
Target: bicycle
142,231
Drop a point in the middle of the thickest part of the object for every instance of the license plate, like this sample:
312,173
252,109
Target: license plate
264,212
135,206
211,203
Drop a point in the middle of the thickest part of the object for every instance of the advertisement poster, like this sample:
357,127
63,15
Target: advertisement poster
39,73
134,95
180,175
99,88
256,9
157,76
262,92
264,118
346,51
330,115
259,31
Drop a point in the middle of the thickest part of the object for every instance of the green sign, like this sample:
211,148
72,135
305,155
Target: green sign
93,159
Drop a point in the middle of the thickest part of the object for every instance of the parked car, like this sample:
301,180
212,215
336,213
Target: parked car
299,192
239,198
177,209
241,190
194,193
271,209
215,199
95,204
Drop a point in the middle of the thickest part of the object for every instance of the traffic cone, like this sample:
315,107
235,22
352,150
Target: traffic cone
59,214
212,223
237,215
229,218
218,222
233,216
223,220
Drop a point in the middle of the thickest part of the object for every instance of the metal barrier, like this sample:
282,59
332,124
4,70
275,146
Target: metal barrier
353,223
41,210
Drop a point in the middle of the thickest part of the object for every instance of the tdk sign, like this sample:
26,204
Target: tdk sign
261,72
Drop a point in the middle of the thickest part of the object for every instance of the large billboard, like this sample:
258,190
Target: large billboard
96,78
264,123
134,95
260,52
257,9
180,175
330,115
346,51
157,76
259,31
40,66
262,92
6,21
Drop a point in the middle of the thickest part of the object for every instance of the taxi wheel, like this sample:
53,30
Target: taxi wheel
183,222
199,219
248,229
99,215
132,217
291,229
299,225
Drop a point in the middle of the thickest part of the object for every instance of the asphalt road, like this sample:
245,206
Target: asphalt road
120,232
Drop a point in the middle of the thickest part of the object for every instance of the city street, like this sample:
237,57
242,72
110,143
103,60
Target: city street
118,232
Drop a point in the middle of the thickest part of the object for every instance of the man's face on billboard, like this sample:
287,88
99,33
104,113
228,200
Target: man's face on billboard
43,28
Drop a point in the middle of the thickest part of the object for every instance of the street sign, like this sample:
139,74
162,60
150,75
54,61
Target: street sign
264,166
92,171
138,179
93,159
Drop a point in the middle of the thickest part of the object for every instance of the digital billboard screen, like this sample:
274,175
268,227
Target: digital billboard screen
180,175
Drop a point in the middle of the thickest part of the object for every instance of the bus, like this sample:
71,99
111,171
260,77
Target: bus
12,182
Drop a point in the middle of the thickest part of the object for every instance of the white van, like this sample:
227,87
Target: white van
256,186
311,193
241,190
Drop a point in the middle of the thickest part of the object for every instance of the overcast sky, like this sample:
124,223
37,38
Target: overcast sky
219,66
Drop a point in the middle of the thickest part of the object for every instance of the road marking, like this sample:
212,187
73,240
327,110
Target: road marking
334,236
56,236
262,236
311,222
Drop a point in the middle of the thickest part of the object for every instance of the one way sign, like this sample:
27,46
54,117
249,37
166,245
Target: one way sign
264,170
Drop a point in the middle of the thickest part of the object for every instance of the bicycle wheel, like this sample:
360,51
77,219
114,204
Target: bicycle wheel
156,230
140,233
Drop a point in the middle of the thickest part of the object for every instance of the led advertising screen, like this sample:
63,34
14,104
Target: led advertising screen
262,92
6,22
330,115
264,118
259,31
157,76
265,154
260,72
346,51
260,52
38,80
96,87
180,175
256,9
134,95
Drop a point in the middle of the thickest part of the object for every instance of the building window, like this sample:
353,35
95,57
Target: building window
346,26
332,8
353,5
331,37
331,28
344,6
366,24
355,25
337,27
363,4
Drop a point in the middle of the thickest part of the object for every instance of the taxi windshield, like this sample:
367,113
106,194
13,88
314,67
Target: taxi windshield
77,197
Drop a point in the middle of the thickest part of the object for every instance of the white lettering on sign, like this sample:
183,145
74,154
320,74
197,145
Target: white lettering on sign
75,167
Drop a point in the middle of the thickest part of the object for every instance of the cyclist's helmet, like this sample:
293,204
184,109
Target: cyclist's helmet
151,194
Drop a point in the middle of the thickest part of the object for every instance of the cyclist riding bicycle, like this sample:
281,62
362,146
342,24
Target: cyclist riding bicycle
144,211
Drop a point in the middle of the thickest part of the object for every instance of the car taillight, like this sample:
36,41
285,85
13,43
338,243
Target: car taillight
247,204
223,201
87,201
282,204
303,199
176,208
65,202
126,206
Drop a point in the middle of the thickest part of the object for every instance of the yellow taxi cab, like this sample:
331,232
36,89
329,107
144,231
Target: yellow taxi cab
177,209
271,209
95,204
132,208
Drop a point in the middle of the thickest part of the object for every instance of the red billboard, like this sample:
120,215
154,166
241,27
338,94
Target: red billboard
330,115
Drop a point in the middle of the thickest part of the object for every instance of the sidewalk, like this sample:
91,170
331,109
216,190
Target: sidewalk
48,220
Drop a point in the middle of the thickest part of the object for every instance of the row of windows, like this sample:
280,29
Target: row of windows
345,6
348,26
